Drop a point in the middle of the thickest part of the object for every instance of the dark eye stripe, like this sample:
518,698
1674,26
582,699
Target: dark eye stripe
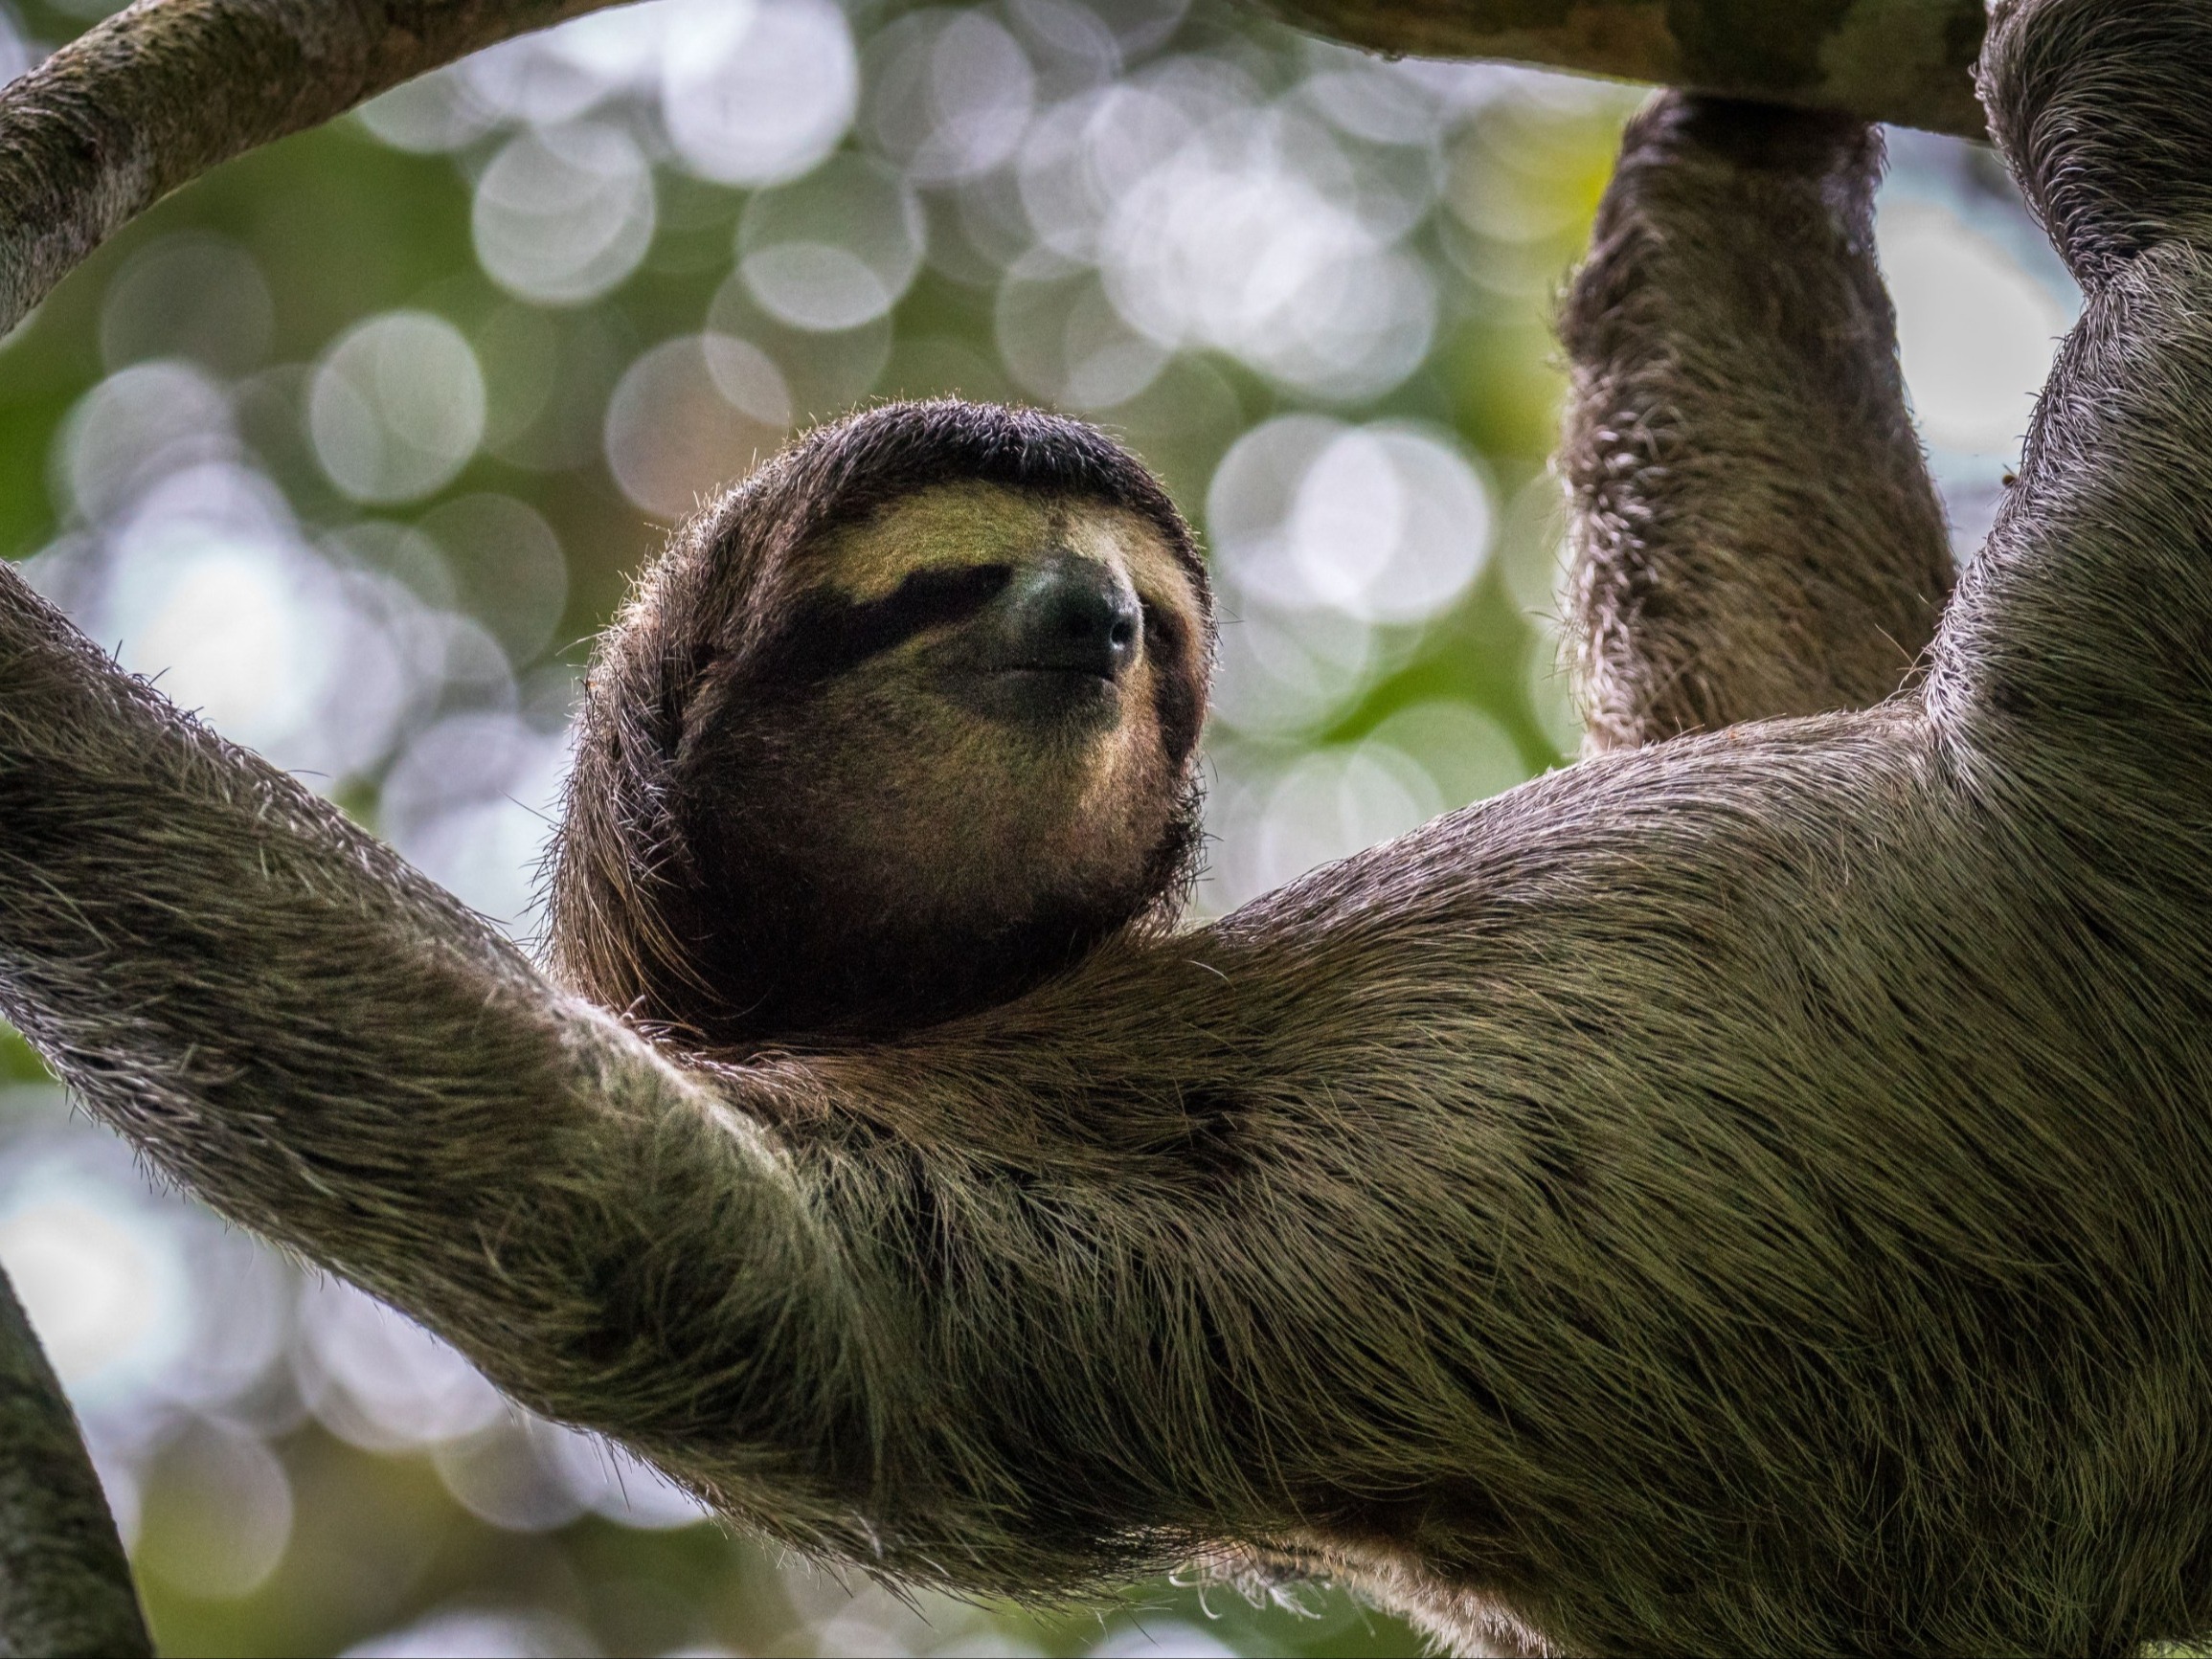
827,635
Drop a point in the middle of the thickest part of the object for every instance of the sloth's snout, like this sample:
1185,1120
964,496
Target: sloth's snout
1072,615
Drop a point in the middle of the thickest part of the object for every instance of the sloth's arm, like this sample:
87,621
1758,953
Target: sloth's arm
338,1055
1753,528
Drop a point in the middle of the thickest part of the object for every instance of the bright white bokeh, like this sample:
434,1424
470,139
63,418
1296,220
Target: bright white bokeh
206,586
1063,341
555,76
545,78
17,51
1085,154
1162,1639
564,214
1975,330
691,414
433,113
135,428
470,803
1249,238
480,1633
1388,522
950,94
613,1483
396,407
523,1474
501,1476
834,250
754,91
1284,672
1219,219
1273,825
824,374
380,1380
1189,205
101,1279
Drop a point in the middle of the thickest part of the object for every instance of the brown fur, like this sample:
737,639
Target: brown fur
759,846
1753,531
1745,1193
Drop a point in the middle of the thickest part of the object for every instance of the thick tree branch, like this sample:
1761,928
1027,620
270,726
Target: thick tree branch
64,1585
161,92
1908,62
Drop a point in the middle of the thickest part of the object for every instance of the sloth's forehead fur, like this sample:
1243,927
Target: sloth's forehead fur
971,524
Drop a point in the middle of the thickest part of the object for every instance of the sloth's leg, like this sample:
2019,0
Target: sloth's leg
1753,530
2081,649
2105,113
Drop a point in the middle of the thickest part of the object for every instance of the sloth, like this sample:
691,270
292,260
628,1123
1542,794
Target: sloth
1745,1192
902,725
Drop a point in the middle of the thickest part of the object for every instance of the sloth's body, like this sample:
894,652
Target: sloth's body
899,727
1749,1192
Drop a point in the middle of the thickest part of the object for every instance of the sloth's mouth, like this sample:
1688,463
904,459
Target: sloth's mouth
1044,671
1041,692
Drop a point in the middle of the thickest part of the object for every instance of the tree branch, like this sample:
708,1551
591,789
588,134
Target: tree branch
162,92
65,1587
1908,62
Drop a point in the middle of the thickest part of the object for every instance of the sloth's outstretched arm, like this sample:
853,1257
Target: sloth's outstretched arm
1753,528
335,1053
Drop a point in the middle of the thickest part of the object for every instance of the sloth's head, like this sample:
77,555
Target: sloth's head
898,726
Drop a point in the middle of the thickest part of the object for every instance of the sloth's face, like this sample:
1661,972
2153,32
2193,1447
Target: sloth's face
988,705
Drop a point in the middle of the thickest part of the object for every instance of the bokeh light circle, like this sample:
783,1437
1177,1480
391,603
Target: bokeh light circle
756,93
951,94
396,407
1976,333
562,217
691,414
834,250
1389,523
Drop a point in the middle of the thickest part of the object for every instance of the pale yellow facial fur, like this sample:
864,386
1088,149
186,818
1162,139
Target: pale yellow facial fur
957,814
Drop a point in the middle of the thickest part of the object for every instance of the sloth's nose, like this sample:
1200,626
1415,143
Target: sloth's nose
1074,615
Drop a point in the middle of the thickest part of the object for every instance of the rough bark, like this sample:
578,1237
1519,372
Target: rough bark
1908,62
165,91
65,1587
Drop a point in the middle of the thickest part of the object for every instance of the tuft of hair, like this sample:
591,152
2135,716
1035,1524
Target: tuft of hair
644,915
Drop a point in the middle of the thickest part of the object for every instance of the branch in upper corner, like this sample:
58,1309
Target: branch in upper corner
1908,62
161,92
65,1587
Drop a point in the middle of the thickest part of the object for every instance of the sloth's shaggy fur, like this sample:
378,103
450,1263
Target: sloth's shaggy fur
1754,533
1749,1192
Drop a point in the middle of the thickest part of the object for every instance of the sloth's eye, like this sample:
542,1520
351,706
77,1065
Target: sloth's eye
1160,623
